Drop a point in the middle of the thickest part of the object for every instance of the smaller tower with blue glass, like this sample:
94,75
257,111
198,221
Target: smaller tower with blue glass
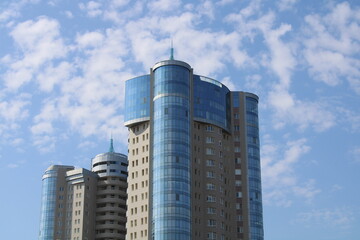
83,204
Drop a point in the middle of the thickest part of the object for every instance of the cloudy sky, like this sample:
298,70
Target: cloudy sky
63,64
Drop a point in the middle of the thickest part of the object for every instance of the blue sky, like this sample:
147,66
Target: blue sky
62,70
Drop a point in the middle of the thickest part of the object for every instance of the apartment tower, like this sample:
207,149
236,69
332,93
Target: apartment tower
68,200
194,164
111,169
78,204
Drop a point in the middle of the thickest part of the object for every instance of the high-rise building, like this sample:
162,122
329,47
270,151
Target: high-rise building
68,200
111,168
194,163
78,204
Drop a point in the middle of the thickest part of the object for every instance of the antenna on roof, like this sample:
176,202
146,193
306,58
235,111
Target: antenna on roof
111,148
172,51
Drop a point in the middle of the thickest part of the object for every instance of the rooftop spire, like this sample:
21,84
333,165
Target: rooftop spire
111,148
172,51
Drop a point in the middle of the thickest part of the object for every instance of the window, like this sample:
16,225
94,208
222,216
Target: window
210,174
209,128
210,163
211,235
237,160
237,171
210,198
211,223
239,194
211,210
210,186
210,140
237,183
210,151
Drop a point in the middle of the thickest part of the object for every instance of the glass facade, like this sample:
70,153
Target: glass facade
137,98
47,224
171,154
254,173
211,102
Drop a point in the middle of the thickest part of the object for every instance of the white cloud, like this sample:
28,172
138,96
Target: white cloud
119,3
252,82
12,165
355,153
90,39
302,114
34,38
207,8
16,164
164,5
42,128
224,2
92,8
114,14
52,76
14,110
350,119
279,178
86,144
150,39
281,60
286,4
332,45
44,143
90,101
308,190
229,83
69,14
13,10
245,21
341,218
336,188
17,142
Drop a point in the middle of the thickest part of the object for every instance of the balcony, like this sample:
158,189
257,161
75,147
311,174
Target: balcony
109,235
115,200
113,217
110,226
110,209
116,182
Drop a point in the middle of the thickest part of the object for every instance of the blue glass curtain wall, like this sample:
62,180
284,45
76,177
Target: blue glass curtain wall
171,154
254,173
211,98
212,102
137,98
48,206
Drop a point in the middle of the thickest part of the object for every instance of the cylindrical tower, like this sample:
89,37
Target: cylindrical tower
254,168
53,181
171,153
111,168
